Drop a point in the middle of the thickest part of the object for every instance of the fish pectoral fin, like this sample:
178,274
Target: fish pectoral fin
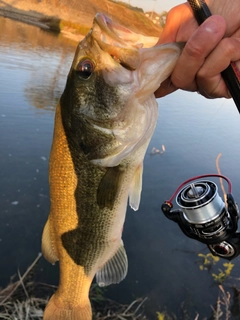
114,270
47,245
136,189
109,187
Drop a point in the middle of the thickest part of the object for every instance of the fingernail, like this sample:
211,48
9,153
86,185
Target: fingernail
211,26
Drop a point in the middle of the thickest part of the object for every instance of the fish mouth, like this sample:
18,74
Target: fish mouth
121,43
118,34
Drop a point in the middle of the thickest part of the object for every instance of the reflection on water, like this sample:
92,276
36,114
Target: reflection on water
163,263
45,58
33,68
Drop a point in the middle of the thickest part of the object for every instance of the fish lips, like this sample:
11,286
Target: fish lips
118,41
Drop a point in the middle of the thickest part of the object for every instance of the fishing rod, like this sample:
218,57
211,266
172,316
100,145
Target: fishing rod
202,214
231,74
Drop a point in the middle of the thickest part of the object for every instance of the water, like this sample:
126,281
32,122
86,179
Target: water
163,262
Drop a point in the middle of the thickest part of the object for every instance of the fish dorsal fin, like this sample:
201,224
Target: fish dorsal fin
47,245
136,188
114,270
109,187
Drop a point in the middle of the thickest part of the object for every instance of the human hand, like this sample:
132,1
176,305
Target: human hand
206,54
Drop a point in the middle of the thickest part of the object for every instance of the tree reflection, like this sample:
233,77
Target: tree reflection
46,84
46,56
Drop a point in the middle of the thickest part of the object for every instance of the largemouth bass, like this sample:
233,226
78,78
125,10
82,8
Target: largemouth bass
103,124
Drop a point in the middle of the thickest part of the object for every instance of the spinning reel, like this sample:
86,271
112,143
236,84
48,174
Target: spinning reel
204,216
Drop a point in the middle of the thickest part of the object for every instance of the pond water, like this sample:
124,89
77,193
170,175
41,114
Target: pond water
163,262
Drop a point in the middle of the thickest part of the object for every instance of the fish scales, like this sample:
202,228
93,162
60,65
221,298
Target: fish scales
103,124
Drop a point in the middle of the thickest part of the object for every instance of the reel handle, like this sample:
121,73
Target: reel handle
218,231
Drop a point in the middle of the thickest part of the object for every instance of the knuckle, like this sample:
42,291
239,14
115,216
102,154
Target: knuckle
180,82
212,87
193,50
227,47
171,13
202,74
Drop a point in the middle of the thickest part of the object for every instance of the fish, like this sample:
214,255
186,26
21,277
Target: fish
104,121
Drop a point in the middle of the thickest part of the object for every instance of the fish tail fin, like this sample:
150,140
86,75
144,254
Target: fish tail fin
53,311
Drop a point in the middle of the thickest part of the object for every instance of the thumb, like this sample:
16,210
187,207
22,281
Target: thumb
179,25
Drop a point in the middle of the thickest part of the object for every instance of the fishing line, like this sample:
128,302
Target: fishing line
196,178
201,213
208,122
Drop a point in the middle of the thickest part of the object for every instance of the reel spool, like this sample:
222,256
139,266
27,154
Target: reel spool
202,215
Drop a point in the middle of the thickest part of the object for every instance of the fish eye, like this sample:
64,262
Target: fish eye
85,69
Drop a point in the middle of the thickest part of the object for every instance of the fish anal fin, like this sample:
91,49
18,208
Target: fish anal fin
109,187
114,270
136,188
47,245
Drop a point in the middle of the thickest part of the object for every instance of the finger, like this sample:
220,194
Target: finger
180,25
229,10
166,88
198,47
208,78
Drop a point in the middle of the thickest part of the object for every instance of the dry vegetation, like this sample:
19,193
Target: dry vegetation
24,299
72,16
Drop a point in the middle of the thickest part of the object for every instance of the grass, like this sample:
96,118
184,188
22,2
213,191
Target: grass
78,28
15,302
59,25
18,301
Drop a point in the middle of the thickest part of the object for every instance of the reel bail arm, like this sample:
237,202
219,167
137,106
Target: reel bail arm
203,216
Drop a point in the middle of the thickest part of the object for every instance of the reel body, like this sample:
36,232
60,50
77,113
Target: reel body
203,216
